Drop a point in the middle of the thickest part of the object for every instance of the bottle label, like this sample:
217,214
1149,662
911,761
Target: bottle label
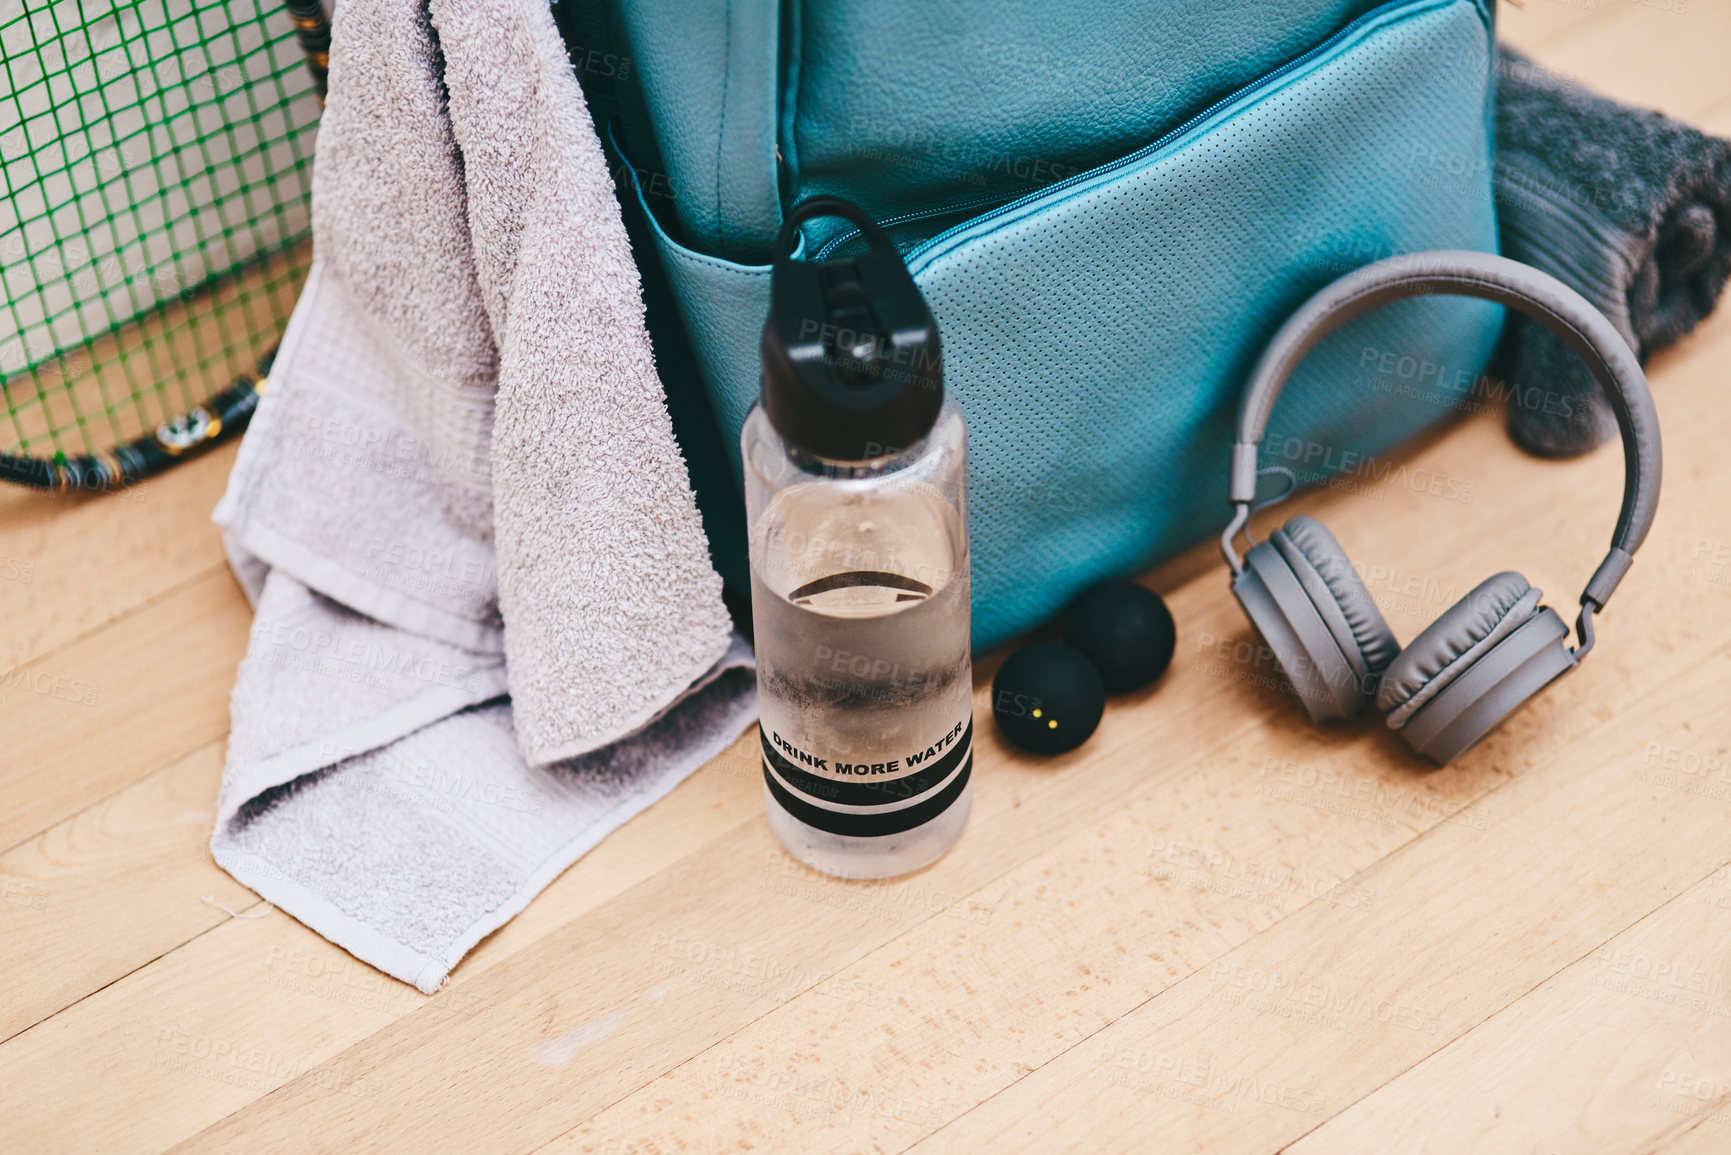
828,790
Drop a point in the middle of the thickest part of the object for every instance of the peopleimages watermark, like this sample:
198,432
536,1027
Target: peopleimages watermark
1319,1003
652,182
22,892
594,62
892,142
1215,870
795,550
1513,183
345,980
1459,388
1686,770
751,975
1691,985
1204,1081
1693,1093
255,1068
1317,461
441,788
1359,796
818,1096
886,899
1710,561
873,354
355,658
393,453
48,684
411,565
1254,664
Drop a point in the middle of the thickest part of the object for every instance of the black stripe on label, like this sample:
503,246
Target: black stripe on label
856,824
868,791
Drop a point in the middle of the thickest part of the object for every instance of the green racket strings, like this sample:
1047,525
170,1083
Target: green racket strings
155,227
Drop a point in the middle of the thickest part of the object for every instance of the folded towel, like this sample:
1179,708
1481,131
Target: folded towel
461,482
1630,208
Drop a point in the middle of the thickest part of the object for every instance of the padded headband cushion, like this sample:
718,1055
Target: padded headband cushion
1375,640
1453,642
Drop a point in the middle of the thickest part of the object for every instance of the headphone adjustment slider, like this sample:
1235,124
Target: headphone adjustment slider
1584,628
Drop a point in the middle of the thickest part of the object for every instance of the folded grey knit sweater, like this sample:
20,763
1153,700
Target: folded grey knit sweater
1630,208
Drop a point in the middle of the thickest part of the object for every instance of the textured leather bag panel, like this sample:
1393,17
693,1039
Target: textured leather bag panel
900,106
711,92
1098,333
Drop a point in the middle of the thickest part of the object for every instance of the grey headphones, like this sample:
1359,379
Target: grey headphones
1496,647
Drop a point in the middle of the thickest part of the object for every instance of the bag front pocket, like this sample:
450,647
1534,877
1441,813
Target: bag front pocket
1098,332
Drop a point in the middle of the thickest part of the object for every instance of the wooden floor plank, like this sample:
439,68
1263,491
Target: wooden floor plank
225,1045
1706,1137
100,714
920,1030
685,986
593,1010
1536,27
201,1033
1199,834
550,937
1626,1048
617,954
1330,1004
1663,54
1717,120
739,1089
126,880
1203,611
69,565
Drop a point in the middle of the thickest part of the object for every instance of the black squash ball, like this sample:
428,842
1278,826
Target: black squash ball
1125,630
1047,698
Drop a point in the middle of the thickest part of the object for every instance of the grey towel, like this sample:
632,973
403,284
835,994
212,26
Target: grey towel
461,482
1630,208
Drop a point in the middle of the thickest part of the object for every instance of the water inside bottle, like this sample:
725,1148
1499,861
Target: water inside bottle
860,604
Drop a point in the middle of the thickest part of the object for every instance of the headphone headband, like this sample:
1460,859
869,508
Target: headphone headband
1491,278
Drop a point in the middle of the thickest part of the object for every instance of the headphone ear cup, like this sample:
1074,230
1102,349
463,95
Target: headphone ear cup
1474,666
1292,610
1329,577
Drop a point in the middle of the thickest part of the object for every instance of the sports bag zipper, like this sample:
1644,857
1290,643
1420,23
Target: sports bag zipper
843,238
1375,14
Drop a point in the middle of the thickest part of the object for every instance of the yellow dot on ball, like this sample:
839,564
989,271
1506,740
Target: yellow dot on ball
1036,711
1052,725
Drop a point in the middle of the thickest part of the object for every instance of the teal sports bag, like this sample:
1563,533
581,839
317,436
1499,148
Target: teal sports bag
1110,210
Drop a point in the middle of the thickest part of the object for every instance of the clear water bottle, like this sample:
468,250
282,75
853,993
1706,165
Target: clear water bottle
856,498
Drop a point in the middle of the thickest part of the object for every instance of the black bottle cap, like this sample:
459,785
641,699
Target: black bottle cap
852,368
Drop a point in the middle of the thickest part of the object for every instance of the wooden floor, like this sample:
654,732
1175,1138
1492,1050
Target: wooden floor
1213,928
